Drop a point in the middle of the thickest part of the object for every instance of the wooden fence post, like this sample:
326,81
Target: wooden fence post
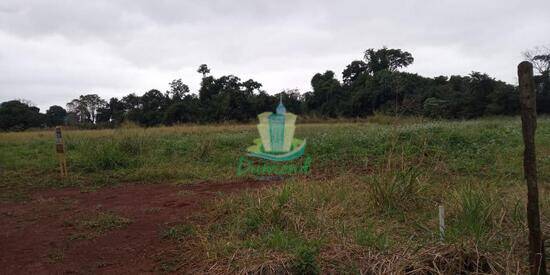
60,149
528,106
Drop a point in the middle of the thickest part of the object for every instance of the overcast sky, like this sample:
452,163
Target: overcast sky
54,51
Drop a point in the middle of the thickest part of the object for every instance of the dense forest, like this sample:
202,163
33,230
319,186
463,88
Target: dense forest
373,84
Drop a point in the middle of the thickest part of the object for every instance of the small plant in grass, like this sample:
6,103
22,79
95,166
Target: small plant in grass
396,192
284,196
98,224
474,208
178,232
252,220
105,221
518,214
168,265
305,259
369,238
131,145
203,151
108,155
56,255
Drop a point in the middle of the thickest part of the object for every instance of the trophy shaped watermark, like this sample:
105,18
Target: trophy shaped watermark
277,144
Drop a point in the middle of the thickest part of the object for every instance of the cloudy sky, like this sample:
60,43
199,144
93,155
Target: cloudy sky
53,51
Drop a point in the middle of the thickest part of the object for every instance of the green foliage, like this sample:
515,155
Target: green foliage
178,232
16,116
369,86
108,155
55,116
252,220
85,109
373,190
97,224
397,191
484,148
305,260
368,237
474,212
387,59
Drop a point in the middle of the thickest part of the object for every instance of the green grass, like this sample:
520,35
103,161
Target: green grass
178,232
369,204
56,255
473,213
97,224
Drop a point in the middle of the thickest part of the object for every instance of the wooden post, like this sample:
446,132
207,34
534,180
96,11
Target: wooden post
60,149
528,106
441,222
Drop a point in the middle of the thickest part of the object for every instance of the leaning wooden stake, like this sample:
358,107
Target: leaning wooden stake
528,105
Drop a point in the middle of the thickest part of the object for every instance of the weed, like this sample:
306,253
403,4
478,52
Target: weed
518,214
368,237
178,232
305,259
252,220
97,224
56,255
396,192
105,221
384,170
473,212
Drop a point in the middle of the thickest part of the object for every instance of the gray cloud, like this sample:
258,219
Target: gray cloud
53,51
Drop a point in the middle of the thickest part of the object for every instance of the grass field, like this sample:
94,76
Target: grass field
370,203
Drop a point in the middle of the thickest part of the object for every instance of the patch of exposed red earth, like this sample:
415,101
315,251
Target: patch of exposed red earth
35,236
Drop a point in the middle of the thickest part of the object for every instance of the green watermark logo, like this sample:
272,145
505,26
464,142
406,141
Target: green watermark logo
276,144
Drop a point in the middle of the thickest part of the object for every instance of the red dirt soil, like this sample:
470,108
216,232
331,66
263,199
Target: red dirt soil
36,235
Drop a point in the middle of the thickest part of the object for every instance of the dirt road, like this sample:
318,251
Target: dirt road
44,235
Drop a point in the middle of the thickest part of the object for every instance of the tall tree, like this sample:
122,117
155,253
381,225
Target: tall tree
204,70
387,59
86,106
326,94
355,69
154,103
178,90
540,58
16,115
93,102
55,116
184,111
114,112
132,105
78,111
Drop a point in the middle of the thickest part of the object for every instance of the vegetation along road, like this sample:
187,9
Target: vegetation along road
169,199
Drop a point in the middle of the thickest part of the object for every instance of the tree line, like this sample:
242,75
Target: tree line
372,84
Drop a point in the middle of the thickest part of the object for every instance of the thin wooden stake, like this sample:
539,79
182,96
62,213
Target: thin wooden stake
441,222
528,106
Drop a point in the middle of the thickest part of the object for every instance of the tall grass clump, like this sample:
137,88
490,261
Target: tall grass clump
368,237
473,210
117,153
396,191
305,259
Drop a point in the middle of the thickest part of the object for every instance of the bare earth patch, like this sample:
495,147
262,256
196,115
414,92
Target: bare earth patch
115,229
